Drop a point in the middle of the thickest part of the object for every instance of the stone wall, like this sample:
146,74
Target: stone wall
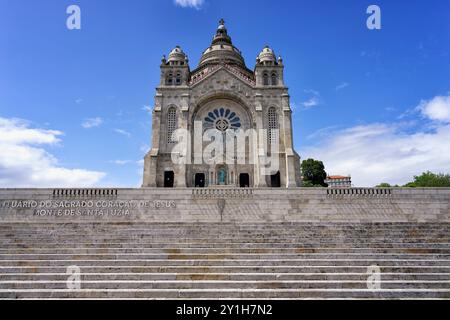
227,205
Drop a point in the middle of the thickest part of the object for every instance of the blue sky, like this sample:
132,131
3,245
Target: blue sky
371,103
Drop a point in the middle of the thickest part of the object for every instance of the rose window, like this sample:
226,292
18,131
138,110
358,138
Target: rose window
222,119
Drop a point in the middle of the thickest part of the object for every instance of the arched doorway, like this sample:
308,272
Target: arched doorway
199,180
244,180
275,181
169,179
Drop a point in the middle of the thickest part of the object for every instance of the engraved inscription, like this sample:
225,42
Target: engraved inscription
62,208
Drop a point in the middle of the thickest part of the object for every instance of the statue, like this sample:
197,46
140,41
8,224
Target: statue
221,176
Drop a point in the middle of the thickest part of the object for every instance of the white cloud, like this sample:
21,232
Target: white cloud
123,132
16,131
189,3
79,101
437,108
92,123
322,133
312,91
144,148
147,109
342,86
387,152
121,162
312,102
24,162
315,100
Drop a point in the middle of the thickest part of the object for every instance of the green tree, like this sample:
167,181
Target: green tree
384,185
313,172
307,184
430,180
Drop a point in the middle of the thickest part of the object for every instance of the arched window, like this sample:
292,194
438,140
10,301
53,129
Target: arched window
266,79
274,79
272,117
178,79
169,79
171,124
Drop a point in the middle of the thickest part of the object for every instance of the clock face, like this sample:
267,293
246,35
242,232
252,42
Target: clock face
222,119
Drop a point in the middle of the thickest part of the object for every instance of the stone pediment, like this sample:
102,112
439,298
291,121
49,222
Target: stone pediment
224,78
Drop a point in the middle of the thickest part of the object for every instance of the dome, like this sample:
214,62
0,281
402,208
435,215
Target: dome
177,54
267,54
222,49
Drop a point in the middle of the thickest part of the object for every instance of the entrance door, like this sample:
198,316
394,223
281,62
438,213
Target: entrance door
275,181
199,180
244,180
169,178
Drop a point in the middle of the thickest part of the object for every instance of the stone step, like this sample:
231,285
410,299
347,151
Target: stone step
388,268
241,225
218,261
150,232
113,234
214,284
221,294
234,230
225,250
229,237
225,262
398,276
304,247
309,230
210,232
183,227
224,242
216,247
296,232
221,256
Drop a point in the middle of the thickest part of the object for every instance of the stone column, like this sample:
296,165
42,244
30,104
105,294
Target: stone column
290,169
183,115
287,125
151,158
288,143
259,153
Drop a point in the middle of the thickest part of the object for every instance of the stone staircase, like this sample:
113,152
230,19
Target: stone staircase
224,260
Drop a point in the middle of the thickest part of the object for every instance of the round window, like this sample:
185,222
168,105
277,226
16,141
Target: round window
222,119
222,125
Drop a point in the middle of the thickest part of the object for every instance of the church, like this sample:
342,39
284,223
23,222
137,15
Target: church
211,227
222,95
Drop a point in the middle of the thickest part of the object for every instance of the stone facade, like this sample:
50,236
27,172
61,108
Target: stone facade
216,205
339,181
221,93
